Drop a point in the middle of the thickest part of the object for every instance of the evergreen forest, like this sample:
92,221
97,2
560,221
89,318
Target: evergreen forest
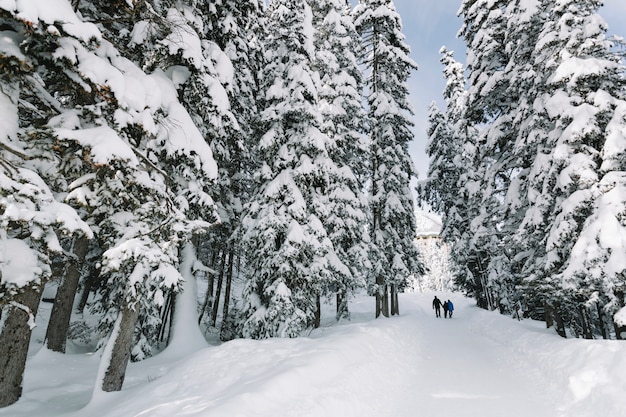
237,163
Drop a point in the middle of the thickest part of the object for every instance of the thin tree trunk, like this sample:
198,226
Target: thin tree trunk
385,304
89,283
395,307
342,306
547,312
229,280
59,323
208,298
318,312
382,298
166,315
601,321
586,322
120,354
560,326
218,290
15,333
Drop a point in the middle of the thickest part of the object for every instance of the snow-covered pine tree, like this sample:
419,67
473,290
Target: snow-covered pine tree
500,36
579,176
289,254
168,40
448,188
385,56
237,28
31,177
344,212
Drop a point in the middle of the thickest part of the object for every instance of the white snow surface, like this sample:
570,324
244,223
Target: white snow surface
478,363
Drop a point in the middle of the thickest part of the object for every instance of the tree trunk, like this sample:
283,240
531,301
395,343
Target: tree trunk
601,321
59,323
547,312
90,281
166,315
318,312
560,326
208,298
385,303
122,340
14,340
218,290
587,331
342,306
229,281
395,308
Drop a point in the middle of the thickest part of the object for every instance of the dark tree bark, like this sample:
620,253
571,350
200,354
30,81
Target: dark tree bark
548,316
342,306
386,301
14,341
587,331
318,312
395,307
90,282
166,315
382,298
560,325
208,298
218,290
120,354
229,282
58,326
601,321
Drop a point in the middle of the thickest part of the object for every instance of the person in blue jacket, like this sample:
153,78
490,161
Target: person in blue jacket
450,308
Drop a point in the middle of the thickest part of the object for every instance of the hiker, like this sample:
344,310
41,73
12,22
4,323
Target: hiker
450,308
445,310
437,306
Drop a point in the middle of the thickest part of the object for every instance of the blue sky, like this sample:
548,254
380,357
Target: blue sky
430,24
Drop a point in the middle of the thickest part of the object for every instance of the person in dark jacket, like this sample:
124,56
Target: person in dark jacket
445,309
450,308
437,306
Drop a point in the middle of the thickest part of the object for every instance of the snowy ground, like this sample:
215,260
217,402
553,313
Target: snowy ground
476,364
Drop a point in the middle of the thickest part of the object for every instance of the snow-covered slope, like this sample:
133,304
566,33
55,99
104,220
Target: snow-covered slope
475,364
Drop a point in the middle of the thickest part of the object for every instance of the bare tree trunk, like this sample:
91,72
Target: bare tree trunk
382,298
58,326
318,312
601,321
122,339
218,290
585,320
385,305
395,307
342,306
208,298
166,315
14,340
89,283
560,325
229,281
547,312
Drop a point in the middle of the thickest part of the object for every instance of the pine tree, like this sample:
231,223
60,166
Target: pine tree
582,169
394,256
31,176
236,28
500,37
288,250
343,116
166,39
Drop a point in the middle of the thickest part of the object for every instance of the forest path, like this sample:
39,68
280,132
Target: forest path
477,364
464,372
